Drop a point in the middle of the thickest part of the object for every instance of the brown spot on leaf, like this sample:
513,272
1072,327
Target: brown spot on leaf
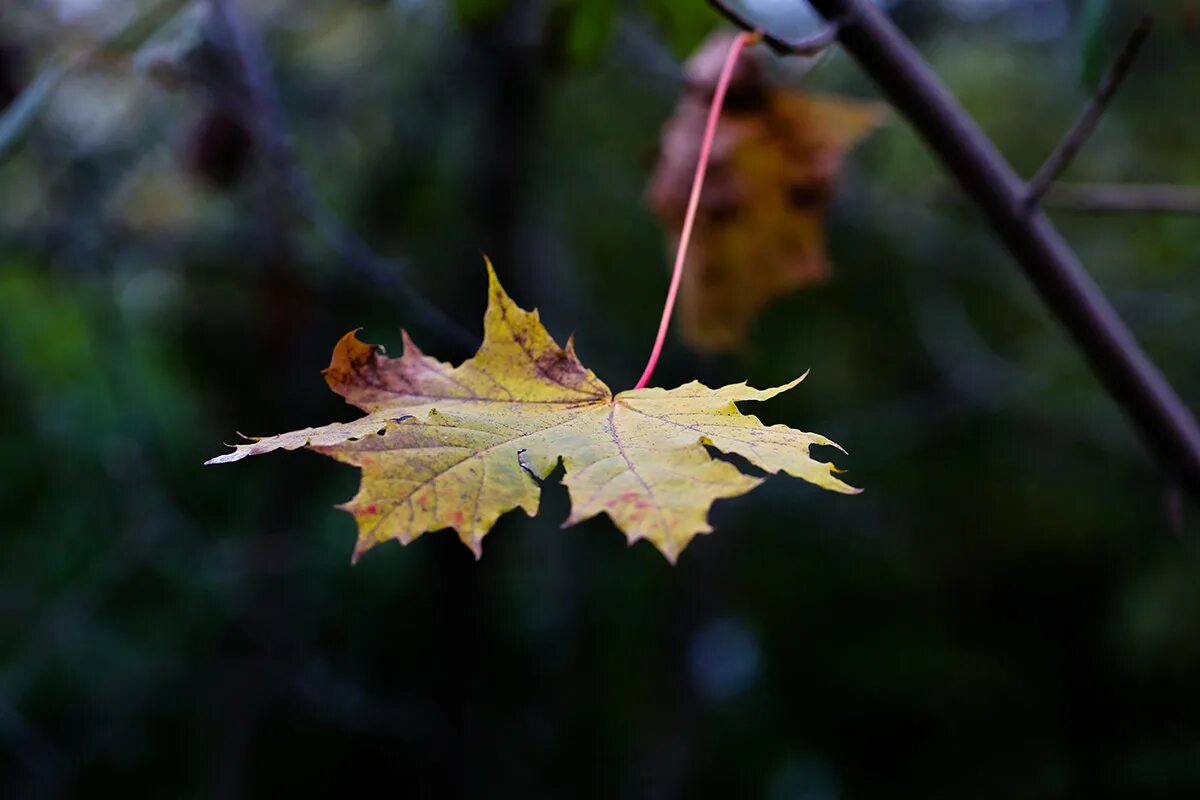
562,368
803,196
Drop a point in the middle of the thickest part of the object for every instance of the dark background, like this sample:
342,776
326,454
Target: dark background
1010,609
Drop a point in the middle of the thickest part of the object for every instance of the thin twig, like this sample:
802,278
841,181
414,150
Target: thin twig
1062,156
808,46
270,127
1098,198
1123,198
1153,406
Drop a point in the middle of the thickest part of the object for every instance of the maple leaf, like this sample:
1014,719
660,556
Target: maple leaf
456,447
760,229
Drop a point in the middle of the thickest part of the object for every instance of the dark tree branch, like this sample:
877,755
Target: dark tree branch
1062,156
1164,422
264,109
809,46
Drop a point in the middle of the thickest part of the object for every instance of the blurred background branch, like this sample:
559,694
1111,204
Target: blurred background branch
238,38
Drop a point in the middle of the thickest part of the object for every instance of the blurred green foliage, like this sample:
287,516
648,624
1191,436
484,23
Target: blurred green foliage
1010,609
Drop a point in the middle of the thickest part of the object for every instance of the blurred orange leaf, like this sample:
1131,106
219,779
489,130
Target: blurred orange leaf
760,229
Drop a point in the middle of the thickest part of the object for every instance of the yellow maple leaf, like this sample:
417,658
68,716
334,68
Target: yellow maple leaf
456,447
